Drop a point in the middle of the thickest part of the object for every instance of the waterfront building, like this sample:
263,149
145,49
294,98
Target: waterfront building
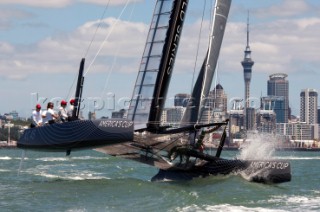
266,121
236,120
181,99
300,134
309,106
270,107
119,114
217,99
172,116
216,106
278,86
92,115
14,114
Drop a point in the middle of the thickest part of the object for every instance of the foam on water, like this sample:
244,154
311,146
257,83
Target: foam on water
52,159
258,147
226,208
46,171
5,158
298,202
298,158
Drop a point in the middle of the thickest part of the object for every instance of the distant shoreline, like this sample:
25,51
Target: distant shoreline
283,149
13,145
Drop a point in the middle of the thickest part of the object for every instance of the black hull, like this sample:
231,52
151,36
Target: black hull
79,134
253,170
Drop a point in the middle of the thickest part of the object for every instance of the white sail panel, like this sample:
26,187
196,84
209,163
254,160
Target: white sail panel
143,91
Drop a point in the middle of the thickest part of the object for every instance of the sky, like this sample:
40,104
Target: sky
42,43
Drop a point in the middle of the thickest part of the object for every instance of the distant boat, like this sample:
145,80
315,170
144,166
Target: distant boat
179,152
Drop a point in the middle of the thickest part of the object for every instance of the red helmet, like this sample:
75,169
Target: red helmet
72,101
38,106
63,102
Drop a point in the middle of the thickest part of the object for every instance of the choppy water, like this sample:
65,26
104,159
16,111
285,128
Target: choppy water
92,181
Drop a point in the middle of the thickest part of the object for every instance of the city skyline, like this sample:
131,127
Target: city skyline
42,44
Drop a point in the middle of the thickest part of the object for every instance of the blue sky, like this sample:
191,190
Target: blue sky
42,42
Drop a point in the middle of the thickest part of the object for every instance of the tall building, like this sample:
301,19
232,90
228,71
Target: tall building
278,86
216,106
309,106
266,117
217,99
247,64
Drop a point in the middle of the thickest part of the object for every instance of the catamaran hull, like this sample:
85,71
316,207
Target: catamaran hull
253,170
79,134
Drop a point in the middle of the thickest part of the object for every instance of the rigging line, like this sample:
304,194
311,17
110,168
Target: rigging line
115,57
86,53
107,36
110,72
198,47
98,27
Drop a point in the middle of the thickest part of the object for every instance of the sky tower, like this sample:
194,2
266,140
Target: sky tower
247,64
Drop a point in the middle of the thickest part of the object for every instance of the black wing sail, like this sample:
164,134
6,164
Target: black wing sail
202,86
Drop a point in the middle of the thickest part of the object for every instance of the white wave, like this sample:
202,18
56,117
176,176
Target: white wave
257,147
298,158
194,194
298,202
90,158
5,158
226,208
71,176
51,159
4,170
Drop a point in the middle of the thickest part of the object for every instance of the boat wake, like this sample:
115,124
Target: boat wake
258,147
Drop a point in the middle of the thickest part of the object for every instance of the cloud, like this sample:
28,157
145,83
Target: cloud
8,16
38,3
63,3
280,42
285,8
62,52
111,2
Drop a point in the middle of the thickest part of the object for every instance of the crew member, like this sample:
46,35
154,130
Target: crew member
63,111
49,116
36,117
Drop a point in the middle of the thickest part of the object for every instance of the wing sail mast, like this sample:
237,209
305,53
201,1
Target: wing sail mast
157,64
202,86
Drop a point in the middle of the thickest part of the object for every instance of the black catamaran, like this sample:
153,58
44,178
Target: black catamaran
177,152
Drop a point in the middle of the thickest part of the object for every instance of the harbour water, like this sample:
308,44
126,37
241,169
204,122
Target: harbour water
92,181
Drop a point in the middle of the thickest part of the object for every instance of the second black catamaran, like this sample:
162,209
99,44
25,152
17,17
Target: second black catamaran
177,152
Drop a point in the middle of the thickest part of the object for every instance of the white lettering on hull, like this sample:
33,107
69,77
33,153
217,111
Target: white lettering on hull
115,124
269,165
